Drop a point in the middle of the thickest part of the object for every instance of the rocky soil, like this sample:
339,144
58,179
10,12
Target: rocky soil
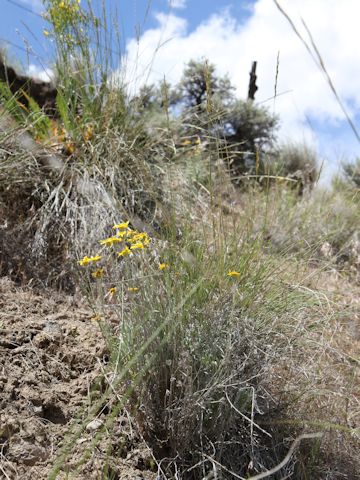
51,358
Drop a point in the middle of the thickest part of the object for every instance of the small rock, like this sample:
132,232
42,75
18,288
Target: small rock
38,410
81,440
326,250
27,453
94,425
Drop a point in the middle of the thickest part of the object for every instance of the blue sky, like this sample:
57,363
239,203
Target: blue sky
232,33
21,24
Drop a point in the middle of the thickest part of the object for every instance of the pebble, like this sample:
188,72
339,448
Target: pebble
94,425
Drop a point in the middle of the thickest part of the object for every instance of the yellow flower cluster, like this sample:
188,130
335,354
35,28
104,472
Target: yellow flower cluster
66,18
124,242
130,239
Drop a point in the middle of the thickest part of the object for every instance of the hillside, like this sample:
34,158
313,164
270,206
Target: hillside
179,298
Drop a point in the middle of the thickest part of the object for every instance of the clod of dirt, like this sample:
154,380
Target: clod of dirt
27,453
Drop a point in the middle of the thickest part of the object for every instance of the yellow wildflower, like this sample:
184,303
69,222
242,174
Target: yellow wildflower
121,233
69,148
163,266
186,141
122,226
112,291
233,273
137,246
98,273
86,260
133,289
110,241
138,237
89,133
124,252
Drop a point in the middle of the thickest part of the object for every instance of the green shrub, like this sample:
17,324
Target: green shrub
352,173
297,161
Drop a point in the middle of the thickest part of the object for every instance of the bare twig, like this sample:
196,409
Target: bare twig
288,456
250,420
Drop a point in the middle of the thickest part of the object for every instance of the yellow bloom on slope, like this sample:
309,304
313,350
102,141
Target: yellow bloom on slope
133,289
112,291
69,148
121,233
138,237
89,133
124,252
163,266
121,226
233,273
137,246
146,241
86,260
110,241
98,273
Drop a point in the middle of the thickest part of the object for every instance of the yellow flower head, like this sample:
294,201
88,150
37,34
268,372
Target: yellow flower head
112,291
69,148
121,226
131,233
121,233
138,237
233,273
86,260
98,273
110,241
89,133
124,252
163,266
137,246
133,289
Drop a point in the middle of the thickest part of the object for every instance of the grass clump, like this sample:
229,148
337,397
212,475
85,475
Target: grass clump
220,309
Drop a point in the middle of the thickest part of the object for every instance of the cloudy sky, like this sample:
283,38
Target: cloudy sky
158,40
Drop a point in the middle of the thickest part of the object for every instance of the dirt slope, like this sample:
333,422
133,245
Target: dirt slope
51,353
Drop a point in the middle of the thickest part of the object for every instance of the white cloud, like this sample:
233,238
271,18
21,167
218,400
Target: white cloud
177,3
232,46
44,74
